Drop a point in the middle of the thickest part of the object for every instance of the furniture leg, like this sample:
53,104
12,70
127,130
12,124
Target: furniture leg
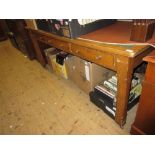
124,74
39,55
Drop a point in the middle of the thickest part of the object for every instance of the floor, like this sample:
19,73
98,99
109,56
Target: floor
35,101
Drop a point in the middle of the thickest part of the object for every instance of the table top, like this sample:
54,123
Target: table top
97,41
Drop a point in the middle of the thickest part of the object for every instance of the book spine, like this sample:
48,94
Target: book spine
105,91
110,85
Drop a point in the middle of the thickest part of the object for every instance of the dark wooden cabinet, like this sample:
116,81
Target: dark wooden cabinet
3,30
145,117
20,37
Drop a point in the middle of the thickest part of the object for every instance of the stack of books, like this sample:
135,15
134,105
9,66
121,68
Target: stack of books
105,94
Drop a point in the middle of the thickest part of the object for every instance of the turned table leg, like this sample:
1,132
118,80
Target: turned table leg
124,74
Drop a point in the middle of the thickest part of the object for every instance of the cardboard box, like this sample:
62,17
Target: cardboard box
49,53
84,74
60,70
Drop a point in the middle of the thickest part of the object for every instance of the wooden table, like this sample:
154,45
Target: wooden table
122,59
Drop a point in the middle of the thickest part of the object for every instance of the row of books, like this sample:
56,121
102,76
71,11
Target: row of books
106,92
109,86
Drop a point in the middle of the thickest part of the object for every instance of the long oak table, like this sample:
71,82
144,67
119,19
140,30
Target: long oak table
122,59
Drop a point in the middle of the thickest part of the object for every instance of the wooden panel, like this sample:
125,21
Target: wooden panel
151,67
38,53
145,117
136,131
139,58
96,56
62,45
142,30
150,57
3,30
150,73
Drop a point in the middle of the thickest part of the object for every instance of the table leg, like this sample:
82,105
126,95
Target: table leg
124,74
39,55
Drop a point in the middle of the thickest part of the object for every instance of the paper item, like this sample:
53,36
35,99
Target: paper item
112,112
87,72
